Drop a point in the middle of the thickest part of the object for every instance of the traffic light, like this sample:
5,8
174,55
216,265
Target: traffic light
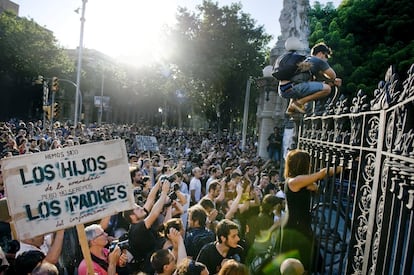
56,109
47,109
55,84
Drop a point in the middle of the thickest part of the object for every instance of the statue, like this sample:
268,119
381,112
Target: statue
293,23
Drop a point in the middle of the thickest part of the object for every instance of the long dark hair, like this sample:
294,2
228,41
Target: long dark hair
297,163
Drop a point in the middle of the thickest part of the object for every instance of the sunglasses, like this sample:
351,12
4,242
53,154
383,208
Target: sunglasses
99,235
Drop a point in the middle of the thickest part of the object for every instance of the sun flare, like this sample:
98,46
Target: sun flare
129,29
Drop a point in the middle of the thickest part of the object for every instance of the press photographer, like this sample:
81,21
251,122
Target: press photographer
142,235
142,190
177,199
104,261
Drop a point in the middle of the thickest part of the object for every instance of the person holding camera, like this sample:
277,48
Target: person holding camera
143,238
105,262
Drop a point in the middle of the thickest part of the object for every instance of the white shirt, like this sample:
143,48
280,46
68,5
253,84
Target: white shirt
195,184
47,243
184,188
27,247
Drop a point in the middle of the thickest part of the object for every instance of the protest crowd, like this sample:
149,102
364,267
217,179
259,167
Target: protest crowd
202,205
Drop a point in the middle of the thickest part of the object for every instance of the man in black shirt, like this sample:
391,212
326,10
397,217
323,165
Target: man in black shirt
142,238
275,145
197,235
226,247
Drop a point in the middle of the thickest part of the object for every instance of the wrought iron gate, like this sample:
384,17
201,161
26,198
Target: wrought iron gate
364,218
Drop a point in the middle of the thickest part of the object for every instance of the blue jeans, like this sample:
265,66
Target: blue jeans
300,90
274,154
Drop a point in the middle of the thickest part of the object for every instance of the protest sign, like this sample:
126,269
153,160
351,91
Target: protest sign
61,188
147,143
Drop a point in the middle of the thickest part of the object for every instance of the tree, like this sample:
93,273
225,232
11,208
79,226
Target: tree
26,51
216,50
367,37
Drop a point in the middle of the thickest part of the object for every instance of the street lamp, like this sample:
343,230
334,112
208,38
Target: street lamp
77,93
190,125
101,107
160,112
79,68
246,111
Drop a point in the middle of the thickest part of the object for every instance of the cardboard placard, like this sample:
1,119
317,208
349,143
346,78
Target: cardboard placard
57,189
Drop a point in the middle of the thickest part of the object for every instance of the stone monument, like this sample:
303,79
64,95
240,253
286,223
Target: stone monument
271,107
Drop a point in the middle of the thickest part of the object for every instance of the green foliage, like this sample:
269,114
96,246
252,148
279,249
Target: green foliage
367,36
27,50
216,50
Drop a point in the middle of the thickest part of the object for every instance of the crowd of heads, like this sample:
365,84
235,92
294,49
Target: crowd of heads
236,188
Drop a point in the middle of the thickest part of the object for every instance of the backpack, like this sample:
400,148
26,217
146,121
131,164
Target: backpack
286,65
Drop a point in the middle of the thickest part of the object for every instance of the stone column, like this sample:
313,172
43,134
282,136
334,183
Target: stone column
267,112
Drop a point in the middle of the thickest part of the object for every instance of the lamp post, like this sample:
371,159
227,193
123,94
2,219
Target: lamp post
101,107
246,111
79,68
189,121
77,93
181,97
160,112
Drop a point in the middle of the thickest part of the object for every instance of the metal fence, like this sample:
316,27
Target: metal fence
364,218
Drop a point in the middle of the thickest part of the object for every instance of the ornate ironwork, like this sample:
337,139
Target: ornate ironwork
373,198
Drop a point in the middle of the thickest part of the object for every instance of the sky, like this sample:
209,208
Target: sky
129,29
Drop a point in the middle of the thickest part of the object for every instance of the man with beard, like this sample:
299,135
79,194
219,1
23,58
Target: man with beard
214,254
136,177
143,240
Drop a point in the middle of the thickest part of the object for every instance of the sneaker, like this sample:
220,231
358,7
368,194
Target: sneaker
298,107
290,110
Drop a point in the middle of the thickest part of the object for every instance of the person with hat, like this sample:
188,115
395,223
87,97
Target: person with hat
304,87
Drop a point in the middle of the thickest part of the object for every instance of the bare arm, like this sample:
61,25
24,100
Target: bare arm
113,259
178,244
176,209
330,75
181,197
297,183
56,248
220,197
156,210
151,196
168,214
235,204
105,222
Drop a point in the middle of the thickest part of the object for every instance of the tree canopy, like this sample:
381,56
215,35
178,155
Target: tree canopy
216,49
367,37
26,51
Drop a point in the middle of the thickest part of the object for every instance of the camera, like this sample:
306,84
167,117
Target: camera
122,245
171,178
137,191
139,198
172,195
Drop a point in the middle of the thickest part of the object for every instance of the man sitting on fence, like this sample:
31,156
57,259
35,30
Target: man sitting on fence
304,87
